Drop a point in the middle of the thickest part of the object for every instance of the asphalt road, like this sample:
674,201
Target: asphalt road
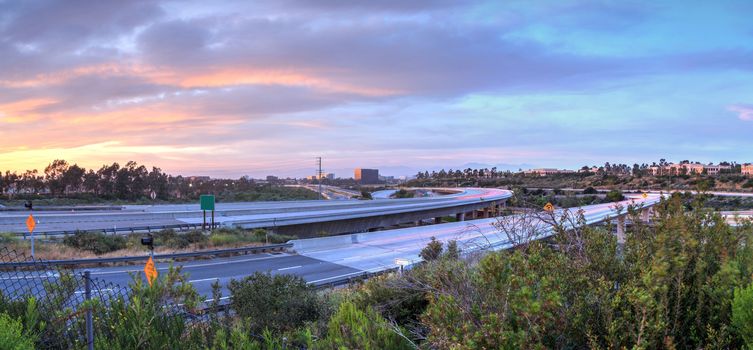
203,273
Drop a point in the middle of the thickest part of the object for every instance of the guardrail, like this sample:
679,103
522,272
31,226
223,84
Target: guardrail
48,263
115,230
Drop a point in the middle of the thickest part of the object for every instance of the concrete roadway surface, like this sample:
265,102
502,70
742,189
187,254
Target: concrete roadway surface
320,260
251,214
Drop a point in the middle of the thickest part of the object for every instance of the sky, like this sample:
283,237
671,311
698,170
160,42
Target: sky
232,88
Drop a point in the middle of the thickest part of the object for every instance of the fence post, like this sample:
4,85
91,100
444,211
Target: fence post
89,323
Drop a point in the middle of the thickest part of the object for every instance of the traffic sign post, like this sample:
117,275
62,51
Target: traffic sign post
207,203
30,224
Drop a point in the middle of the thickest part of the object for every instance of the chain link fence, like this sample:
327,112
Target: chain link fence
68,308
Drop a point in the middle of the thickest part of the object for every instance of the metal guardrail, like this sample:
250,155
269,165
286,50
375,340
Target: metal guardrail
115,230
47,263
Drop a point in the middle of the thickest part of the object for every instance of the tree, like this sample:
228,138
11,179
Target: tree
73,178
54,173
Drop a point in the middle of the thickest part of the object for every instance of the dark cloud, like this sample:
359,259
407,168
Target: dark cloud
175,43
395,6
68,24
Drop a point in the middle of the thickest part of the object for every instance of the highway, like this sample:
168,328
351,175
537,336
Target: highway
321,260
247,215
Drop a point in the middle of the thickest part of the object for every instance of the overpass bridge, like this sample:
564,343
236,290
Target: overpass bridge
325,260
301,218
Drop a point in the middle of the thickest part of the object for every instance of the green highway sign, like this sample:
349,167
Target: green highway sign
207,201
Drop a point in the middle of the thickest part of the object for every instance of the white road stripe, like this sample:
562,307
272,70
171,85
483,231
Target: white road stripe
204,280
289,268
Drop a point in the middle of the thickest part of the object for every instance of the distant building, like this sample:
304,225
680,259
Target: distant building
747,169
689,169
367,176
547,171
326,176
387,179
712,169
271,178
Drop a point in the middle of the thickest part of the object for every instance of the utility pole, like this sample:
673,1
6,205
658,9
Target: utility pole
319,175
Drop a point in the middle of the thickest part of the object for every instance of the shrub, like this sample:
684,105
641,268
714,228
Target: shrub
98,243
12,336
142,321
279,303
432,251
403,193
7,238
394,297
352,328
742,314
615,196
171,239
590,190
195,236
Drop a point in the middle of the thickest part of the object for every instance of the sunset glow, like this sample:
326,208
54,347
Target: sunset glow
265,86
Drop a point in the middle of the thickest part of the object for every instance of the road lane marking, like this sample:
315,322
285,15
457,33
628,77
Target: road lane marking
204,280
289,268
184,267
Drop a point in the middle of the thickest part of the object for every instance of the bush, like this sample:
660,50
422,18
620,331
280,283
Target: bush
742,314
278,303
432,251
590,190
98,243
403,193
171,239
615,196
6,238
366,195
12,336
351,328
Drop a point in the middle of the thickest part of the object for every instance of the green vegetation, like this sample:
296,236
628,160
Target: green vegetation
101,243
354,328
403,193
366,195
278,303
97,243
685,282
64,184
12,335
742,314
609,176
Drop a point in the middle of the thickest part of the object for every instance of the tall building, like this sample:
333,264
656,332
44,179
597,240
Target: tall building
367,176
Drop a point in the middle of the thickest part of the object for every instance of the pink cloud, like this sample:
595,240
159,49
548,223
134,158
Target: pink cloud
744,111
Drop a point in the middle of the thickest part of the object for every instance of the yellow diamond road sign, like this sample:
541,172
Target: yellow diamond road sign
645,195
150,271
549,207
30,224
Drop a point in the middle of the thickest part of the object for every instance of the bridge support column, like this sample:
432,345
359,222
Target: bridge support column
473,214
621,230
646,215
438,220
460,216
